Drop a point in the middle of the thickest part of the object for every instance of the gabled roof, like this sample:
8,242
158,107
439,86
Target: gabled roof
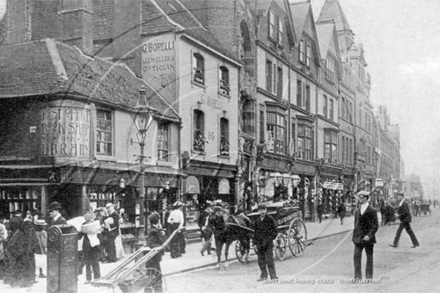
49,68
299,13
160,16
332,10
327,35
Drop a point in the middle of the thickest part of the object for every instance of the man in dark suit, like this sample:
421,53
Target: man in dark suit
155,239
112,228
265,233
405,219
15,222
365,228
55,215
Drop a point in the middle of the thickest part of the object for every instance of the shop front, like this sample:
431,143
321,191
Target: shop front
305,191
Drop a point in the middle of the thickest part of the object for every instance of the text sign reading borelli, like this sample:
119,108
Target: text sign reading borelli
65,132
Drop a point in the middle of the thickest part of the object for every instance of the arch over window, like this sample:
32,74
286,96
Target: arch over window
224,80
199,131
198,68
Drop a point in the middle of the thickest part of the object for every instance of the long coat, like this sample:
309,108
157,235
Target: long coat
365,225
265,232
155,239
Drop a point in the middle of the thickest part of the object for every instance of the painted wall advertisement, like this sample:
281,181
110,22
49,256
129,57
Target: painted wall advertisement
65,132
159,65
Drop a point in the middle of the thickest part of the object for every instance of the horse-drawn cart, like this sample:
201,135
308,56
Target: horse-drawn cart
292,231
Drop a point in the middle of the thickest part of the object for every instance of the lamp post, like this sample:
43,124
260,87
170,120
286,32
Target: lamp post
142,116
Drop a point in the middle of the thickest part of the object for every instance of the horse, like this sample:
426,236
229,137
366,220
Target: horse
228,230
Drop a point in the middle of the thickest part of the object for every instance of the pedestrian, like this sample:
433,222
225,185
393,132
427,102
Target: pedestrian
320,211
176,221
21,259
100,216
155,239
112,228
405,220
205,232
3,238
90,230
265,233
16,221
55,214
41,253
365,228
341,212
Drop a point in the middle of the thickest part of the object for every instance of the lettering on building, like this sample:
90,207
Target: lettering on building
65,132
210,102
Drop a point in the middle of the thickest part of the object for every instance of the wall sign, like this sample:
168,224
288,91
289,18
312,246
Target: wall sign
65,132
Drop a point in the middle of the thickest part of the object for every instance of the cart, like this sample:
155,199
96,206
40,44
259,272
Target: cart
131,276
292,232
425,209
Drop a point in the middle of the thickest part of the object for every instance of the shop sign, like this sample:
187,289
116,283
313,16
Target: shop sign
275,164
65,132
159,64
223,186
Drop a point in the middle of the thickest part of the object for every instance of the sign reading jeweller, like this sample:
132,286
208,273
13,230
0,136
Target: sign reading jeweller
65,132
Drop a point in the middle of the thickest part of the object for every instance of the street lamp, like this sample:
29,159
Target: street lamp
142,116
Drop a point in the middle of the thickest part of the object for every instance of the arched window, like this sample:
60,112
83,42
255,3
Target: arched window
198,68
224,80
224,137
199,131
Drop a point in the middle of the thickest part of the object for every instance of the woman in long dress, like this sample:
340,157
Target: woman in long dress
21,249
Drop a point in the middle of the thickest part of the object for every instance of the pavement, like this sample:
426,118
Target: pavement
193,260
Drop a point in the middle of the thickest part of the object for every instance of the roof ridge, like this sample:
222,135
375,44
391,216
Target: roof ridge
166,15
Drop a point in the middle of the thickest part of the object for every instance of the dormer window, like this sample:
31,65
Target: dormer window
302,51
280,32
276,29
272,25
330,69
198,68
224,81
308,54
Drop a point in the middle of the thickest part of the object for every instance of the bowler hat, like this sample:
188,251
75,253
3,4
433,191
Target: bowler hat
153,218
55,206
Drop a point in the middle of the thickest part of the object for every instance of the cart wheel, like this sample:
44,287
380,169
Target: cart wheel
240,252
297,237
280,246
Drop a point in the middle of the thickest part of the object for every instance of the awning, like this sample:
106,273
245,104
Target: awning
223,186
332,185
192,185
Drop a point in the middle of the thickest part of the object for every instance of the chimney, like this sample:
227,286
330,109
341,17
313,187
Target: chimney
77,24
17,20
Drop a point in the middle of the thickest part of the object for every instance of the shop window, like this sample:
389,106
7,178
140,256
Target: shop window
276,133
198,68
330,147
305,142
224,80
104,133
199,131
224,137
163,142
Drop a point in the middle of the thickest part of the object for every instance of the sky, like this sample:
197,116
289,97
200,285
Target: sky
401,42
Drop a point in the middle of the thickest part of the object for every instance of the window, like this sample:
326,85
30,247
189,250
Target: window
343,148
269,76
332,109
104,133
309,55
198,68
275,79
330,147
368,155
280,32
292,141
330,69
350,149
302,51
262,128
276,133
280,81
325,107
224,137
299,93
347,151
308,98
343,108
305,142
162,142
247,117
199,131
224,80
272,25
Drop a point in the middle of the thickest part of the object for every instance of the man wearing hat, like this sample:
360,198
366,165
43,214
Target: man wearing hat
405,220
15,222
365,228
176,220
265,233
112,231
55,215
155,239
